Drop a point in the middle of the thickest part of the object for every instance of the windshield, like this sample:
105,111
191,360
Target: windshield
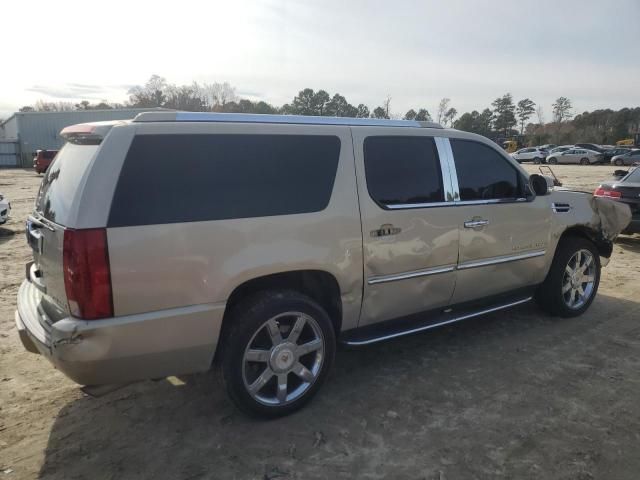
62,180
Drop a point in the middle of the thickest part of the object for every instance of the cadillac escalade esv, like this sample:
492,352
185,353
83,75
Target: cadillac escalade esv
167,242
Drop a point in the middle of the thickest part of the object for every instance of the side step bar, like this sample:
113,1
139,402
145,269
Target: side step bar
419,323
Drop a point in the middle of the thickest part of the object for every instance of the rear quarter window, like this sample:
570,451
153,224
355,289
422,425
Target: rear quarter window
200,177
62,181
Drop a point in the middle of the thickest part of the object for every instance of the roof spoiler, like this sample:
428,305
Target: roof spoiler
88,133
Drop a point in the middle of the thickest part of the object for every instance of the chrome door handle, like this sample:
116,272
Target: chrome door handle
475,223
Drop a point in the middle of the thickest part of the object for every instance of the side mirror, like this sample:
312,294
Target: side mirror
538,184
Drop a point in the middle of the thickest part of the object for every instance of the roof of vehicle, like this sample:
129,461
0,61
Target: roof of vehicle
289,119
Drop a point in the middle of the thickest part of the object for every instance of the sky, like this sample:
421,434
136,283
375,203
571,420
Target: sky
416,52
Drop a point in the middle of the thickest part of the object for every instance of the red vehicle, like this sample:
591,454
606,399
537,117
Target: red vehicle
43,159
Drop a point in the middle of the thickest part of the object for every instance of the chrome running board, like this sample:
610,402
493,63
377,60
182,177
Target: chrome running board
374,333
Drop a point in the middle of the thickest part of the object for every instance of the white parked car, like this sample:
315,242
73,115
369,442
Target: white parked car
5,209
575,155
531,154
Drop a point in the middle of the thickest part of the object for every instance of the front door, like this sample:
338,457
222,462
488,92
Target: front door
410,237
504,234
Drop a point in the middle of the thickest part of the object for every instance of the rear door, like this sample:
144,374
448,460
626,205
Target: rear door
54,211
410,237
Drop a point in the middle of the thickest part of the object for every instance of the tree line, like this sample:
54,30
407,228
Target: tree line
504,118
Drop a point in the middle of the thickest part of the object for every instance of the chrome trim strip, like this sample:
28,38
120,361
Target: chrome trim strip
402,206
429,327
451,166
288,119
416,273
499,260
450,185
491,201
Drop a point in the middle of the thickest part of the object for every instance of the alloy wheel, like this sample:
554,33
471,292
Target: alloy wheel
579,278
283,359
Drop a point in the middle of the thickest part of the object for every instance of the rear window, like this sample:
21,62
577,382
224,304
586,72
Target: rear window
61,182
196,177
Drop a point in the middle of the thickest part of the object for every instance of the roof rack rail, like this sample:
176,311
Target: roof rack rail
289,119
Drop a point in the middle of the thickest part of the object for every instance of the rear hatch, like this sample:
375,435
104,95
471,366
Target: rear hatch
54,214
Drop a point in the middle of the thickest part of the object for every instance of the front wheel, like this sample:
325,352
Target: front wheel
573,279
553,160
277,352
619,162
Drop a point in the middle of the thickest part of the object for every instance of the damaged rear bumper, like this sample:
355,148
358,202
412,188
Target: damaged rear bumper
120,349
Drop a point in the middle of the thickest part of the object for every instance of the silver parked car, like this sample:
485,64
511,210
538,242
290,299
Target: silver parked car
530,154
581,156
285,235
629,158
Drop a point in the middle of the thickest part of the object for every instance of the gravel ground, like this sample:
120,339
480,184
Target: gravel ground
515,394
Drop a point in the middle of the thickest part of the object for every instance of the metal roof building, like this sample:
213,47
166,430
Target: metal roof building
25,132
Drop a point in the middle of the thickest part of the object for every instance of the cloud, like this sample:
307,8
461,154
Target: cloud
71,91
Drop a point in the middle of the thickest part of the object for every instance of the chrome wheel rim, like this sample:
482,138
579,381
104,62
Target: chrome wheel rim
579,279
283,358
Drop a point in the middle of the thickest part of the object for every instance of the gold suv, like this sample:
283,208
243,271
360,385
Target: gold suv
262,241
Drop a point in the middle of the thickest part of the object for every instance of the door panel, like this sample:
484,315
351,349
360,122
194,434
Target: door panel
507,253
503,236
410,250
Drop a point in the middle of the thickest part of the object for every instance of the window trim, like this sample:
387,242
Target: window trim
446,186
454,172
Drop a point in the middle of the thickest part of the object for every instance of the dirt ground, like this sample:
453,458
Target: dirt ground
515,394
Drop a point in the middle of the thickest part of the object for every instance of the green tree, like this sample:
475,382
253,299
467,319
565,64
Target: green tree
443,107
339,107
410,115
467,122
562,109
504,112
379,112
423,115
449,116
362,111
525,109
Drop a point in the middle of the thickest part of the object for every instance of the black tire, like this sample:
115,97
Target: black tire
537,161
552,161
618,162
549,295
246,320
584,161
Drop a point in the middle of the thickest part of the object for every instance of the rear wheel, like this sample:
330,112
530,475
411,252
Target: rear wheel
277,352
584,161
573,279
618,162
537,161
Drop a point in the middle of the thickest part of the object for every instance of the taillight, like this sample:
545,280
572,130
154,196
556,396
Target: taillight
601,192
87,276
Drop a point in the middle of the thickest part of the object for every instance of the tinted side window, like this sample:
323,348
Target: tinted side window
190,178
402,170
483,174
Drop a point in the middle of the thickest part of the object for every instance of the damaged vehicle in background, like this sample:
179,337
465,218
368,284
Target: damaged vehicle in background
626,190
287,235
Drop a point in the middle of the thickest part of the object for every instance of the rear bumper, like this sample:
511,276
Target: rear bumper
121,349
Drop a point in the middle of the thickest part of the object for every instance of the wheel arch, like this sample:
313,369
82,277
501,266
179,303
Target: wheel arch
604,246
319,285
